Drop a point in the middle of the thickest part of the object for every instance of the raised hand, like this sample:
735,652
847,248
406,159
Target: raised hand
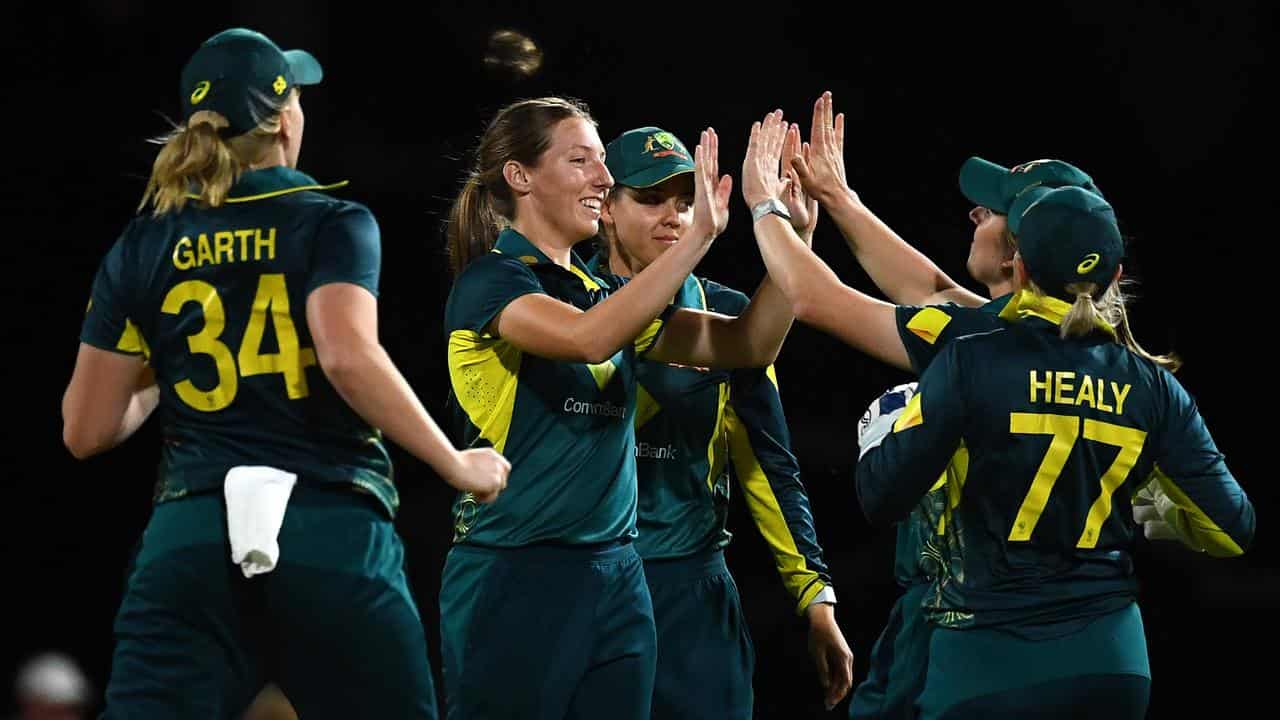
803,209
760,166
710,189
821,167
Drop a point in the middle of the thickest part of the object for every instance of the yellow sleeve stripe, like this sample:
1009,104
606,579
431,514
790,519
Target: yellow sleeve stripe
911,416
928,324
800,581
131,341
1190,521
772,375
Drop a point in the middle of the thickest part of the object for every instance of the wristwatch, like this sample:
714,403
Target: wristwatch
772,205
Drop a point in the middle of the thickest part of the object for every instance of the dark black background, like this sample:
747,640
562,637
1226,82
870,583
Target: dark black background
1162,106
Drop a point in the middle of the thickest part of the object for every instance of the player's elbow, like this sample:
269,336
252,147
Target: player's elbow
878,507
811,303
586,345
761,356
80,440
344,363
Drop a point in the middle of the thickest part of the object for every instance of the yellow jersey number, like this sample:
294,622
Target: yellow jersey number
1066,429
271,301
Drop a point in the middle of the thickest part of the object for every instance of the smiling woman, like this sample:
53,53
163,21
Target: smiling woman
543,358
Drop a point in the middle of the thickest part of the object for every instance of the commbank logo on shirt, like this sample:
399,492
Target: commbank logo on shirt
594,408
645,451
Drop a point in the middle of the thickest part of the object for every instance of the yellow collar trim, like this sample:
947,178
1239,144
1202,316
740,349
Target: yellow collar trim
1026,304
275,193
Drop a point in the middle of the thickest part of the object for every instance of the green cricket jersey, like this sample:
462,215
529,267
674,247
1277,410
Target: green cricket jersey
1059,435
692,426
215,299
566,427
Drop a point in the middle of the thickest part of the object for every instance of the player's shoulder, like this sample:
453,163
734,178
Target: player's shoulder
491,267
999,340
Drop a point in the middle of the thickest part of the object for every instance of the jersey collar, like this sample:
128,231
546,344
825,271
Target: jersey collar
271,182
1025,304
511,242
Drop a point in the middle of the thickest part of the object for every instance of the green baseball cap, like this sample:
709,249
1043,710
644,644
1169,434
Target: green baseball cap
1004,189
646,156
240,74
1069,235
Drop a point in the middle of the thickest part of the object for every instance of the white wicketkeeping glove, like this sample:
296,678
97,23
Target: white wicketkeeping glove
1159,516
878,420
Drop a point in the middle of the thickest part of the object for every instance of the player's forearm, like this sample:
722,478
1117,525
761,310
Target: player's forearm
792,266
371,384
764,324
612,324
905,275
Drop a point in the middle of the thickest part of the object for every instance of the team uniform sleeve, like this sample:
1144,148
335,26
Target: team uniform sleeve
895,475
1211,507
926,330
760,449
107,324
348,249
487,286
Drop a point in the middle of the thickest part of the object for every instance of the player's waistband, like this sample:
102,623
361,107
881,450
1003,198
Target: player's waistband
611,550
708,563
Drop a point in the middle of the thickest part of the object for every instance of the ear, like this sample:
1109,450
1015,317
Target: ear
517,177
1119,273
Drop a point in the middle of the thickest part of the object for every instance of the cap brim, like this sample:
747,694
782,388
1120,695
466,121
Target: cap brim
653,176
304,66
980,182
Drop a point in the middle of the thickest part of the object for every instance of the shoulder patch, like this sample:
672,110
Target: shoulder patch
928,324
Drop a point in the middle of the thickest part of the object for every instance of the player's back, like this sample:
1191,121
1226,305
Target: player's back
1060,434
216,297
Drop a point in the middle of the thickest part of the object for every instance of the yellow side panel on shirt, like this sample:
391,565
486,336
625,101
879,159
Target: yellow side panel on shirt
718,449
767,513
483,371
928,324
